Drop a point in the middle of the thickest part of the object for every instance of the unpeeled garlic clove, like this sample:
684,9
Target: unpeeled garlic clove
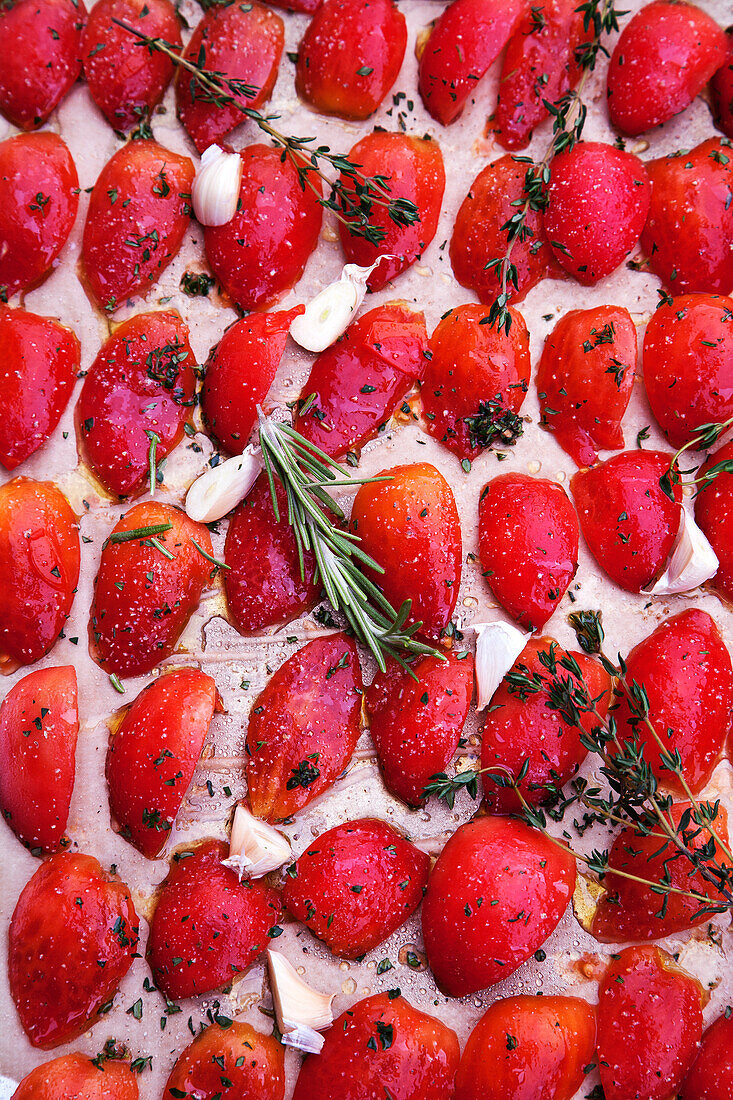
301,1012
498,645
215,191
329,314
220,488
255,848
691,562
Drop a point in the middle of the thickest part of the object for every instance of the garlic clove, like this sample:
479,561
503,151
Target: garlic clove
255,848
220,488
215,191
329,314
301,1012
498,645
8,1087
691,562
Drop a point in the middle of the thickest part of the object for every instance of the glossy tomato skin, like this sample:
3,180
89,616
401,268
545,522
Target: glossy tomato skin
207,926
142,381
649,1021
529,1048
714,515
34,230
253,1062
39,723
528,545
416,724
39,561
686,670
128,632
585,379
665,56
478,235
414,170
263,583
520,727
153,753
263,250
711,1075
356,884
688,236
40,44
304,727
350,56
359,381
239,373
411,528
472,943
379,1046
245,43
72,939
721,89
125,81
471,363
597,203
39,361
76,1077
465,40
138,214
630,910
627,521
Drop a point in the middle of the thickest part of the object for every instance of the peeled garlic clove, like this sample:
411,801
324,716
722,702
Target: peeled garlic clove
215,191
329,314
301,1012
221,487
497,647
255,848
691,562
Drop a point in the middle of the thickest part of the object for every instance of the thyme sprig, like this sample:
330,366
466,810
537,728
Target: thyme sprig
352,199
705,436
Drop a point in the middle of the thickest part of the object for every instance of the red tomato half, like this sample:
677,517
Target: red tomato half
721,88
76,1076
252,1062
714,515
711,1075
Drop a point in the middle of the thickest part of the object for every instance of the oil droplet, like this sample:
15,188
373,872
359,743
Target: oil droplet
349,986
410,956
344,966
534,466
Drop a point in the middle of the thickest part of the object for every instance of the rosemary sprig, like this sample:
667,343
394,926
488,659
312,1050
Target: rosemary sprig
706,436
352,205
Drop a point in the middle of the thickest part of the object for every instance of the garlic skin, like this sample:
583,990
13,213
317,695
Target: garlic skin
220,488
255,848
498,645
301,1012
691,562
329,314
215,191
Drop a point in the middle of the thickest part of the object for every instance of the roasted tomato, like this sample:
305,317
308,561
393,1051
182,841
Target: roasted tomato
39,196
243,42
528,1048
137,394
714,514
239,373
721,89
72,939
628,522
151,576
40,44
520,727
711,1074
649,1020
413,169
252,1063
263,250
665,56
688,235
410,527
416,723
356,884
263,582
153,753
475,381
39,563
597,203
686,672
497,891
462,44
207,926
304,727
585,378
305,6
350,56
479,235
528,545
379,1047
39,361
359,381
79,1078
125,81
630,910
